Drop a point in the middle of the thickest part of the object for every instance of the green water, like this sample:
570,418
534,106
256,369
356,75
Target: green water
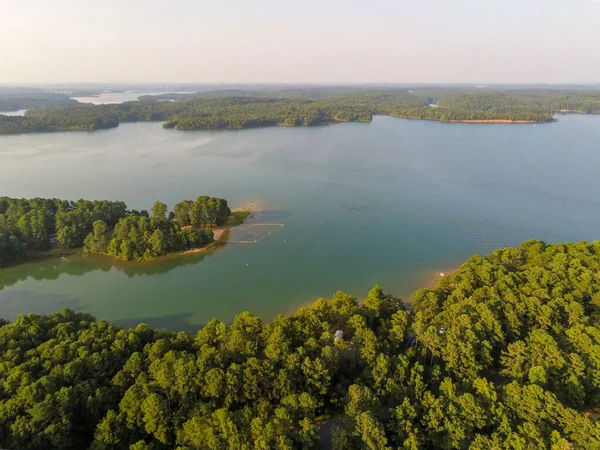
391,202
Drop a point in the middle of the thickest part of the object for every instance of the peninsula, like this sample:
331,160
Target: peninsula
31,227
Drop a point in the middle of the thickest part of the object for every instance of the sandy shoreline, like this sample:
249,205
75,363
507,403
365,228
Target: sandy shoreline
254,207
218,232
430,278
435,277
194,250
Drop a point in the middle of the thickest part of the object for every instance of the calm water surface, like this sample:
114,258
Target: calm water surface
20,112
118,97
391,202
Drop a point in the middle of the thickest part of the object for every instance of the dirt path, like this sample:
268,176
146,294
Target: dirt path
325,430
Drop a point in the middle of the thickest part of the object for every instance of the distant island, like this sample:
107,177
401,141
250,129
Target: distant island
238,109
31,228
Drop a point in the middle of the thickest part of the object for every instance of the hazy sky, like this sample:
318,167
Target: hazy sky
343,41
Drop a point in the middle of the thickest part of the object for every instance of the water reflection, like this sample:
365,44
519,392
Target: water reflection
173,322
80,264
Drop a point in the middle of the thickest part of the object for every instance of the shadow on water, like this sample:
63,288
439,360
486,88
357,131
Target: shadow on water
175,322
14,303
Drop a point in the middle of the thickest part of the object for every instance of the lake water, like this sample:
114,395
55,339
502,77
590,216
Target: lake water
118,97
391,202
20,112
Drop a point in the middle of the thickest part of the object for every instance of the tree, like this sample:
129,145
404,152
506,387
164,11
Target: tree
182,211
371,432
159,210
97,241
156,416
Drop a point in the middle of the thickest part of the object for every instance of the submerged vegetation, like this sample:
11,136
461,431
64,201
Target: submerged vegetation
238,217
28,227
504,353
304,107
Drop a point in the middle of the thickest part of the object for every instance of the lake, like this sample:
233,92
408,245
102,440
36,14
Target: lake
20,112
105,98
392,202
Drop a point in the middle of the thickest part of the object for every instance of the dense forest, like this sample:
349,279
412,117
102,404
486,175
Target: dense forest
504,353
306,107
29,227
14,101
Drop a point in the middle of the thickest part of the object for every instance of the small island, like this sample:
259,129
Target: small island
32,228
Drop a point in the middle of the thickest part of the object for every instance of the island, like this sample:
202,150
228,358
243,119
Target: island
238,109
30,228
502,354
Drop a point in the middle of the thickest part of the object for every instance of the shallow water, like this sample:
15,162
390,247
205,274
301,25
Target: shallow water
390,202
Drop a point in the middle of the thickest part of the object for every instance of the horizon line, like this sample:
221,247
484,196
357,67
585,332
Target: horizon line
303,83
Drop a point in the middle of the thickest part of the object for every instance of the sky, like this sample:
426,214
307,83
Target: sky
307,41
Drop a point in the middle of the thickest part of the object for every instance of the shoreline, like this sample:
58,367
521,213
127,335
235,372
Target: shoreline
429,279
78,129
434,278
492,121
504,121
223,231
253,206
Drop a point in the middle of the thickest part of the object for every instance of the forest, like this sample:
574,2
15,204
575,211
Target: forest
307,107
14,101
502,354
30,227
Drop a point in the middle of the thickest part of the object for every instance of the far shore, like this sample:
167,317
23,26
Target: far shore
491,121
508,121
